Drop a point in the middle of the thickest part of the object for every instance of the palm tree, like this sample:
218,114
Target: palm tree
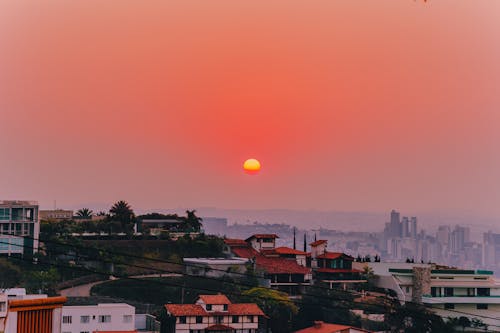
84,212
122,212
193,221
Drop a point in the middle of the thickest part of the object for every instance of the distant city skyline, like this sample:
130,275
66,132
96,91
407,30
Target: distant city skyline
348,107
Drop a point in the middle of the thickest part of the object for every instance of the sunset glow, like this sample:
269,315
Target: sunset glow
251,166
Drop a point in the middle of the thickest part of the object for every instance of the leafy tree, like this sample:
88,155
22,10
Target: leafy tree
464,322
42,281
84,212
193,222
276,305
10,274
369,276
415,318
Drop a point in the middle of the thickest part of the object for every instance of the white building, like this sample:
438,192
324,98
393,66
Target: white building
19,227
109,317
213,313
215,267
448,292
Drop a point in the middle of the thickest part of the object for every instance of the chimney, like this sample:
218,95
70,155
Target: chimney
318,324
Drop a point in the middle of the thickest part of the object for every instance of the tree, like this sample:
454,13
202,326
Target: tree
464,322
43,281
10,274
123,213
276,305
193,222
369,276
84,212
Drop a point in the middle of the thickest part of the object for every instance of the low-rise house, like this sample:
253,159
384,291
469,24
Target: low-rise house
108,317
333,268
212,313
322,327
280,267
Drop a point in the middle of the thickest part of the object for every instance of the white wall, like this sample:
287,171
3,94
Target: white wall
117,311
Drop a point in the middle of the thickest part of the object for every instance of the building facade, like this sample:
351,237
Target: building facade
19,227
212,313
109,317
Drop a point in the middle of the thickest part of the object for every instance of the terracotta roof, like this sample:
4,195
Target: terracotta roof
321,327
318,242
245,309
334,255
235,242
214,299
197,310
258,236
287,250
186,310
47,302
269,264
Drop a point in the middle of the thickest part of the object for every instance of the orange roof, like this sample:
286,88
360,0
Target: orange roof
186,310
334,255
287,250
258,236
37,303
318,242
321,327
245,309
271,265
214,299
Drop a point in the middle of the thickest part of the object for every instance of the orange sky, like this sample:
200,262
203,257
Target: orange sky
348,105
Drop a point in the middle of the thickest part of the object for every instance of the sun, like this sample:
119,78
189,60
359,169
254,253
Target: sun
251,166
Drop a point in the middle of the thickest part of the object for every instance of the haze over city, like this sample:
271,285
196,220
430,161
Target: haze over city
347,107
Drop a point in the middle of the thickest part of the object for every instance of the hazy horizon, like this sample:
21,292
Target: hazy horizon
348,107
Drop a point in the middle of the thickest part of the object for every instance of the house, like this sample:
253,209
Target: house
449,292
284,267
322,327
212,313
333,268
108,317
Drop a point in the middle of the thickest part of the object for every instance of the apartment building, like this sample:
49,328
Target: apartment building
19,227
109,317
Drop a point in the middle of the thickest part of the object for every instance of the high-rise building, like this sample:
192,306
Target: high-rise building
405,226
458,238
413,228
395,225
19,227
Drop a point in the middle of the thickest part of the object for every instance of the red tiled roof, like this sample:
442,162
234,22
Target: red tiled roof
245,252
258,236
337,270
235,242
334,255
287,250
280,266
250,309
321,327
215,299
186,310
318,242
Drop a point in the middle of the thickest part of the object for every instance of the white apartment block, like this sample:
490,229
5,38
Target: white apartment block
109,317
19,227
449,292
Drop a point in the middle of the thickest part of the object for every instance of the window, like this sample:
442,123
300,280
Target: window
236,319
84,319
209,307
127,318
199,319
482,306
449,306
219,319
182,319
84,332
105,319
250,319
448,292
407,289
67,319
483,291
224,307
2,307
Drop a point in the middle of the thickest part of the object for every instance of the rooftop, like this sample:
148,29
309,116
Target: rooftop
322,327
318,242
214,299
261,236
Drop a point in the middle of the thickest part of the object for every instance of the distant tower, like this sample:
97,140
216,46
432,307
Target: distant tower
414,227
294,241
305,242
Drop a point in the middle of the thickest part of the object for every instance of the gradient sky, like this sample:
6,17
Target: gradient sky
349,105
